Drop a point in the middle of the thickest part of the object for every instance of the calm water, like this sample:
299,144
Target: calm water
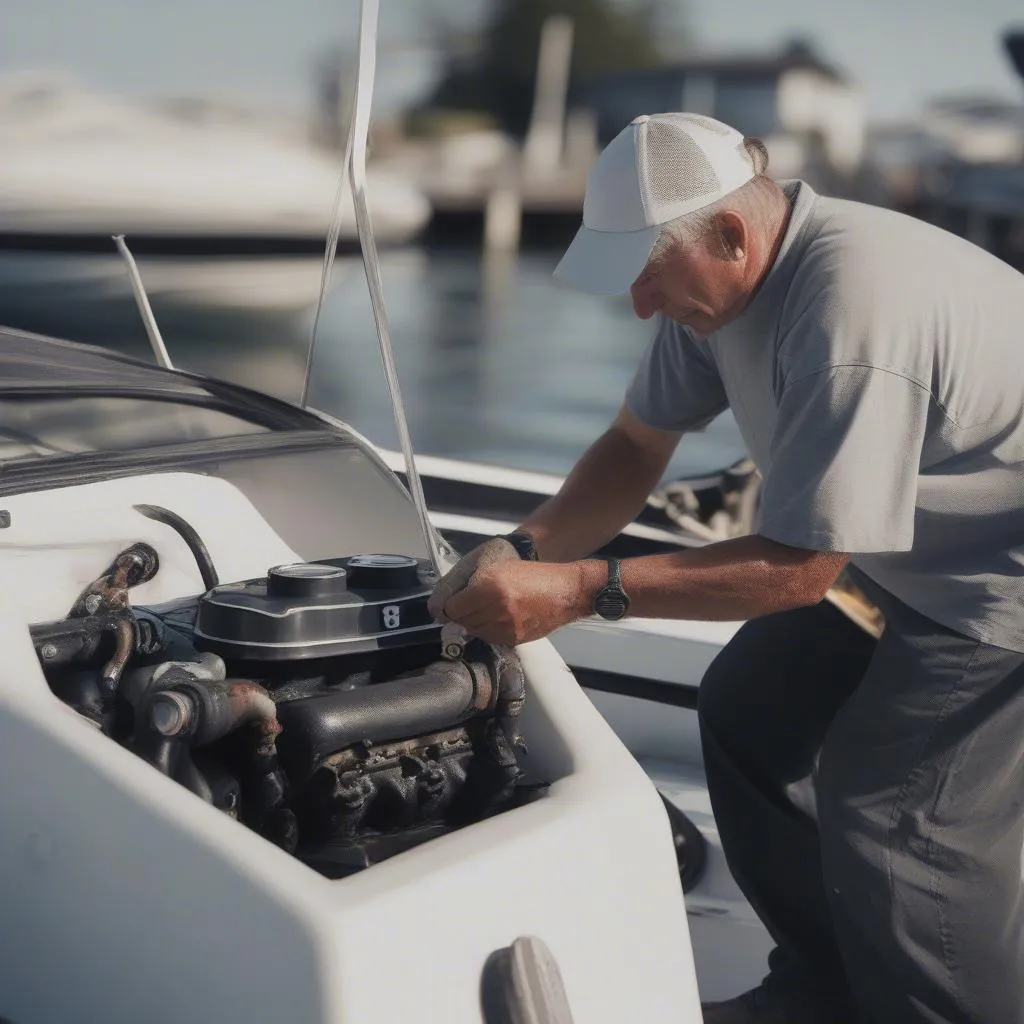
497,363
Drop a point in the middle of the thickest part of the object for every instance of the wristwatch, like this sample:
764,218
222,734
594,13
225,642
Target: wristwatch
611,601
523,543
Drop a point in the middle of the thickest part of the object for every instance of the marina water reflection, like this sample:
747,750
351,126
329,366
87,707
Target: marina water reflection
497,362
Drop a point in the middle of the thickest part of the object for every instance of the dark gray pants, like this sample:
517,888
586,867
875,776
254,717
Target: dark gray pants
893,885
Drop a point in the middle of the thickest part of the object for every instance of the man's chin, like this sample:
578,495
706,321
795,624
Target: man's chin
691,321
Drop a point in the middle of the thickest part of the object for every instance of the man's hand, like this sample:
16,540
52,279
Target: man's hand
511,603
491,552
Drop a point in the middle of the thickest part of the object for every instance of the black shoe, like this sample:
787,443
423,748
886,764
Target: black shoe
773,1003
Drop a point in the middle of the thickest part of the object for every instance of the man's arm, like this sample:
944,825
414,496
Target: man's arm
730,580
604,492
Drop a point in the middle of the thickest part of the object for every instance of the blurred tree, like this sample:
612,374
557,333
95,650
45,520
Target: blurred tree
498,77
1013,40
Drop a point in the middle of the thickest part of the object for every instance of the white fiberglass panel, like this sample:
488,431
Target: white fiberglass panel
59,541
127,898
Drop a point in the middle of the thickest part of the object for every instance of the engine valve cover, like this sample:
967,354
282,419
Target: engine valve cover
319,609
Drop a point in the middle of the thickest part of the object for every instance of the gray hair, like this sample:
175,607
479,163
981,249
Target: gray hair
754,199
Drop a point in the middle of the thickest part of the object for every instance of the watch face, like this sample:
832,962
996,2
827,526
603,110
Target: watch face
611,605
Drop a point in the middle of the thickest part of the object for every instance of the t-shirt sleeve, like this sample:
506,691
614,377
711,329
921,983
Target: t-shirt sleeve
676,386
845,456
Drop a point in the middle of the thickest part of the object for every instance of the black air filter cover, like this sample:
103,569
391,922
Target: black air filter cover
319,610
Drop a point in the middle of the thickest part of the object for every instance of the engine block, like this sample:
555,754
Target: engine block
312,704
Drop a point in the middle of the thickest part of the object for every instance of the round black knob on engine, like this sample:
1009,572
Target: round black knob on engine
306,579
383,572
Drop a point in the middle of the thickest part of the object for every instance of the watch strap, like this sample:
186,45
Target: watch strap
523,543
612,601
614,573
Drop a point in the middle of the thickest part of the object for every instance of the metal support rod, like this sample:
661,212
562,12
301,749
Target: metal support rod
354,173
142,301
371,262
331,250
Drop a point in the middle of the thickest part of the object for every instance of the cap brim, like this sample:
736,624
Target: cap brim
606,262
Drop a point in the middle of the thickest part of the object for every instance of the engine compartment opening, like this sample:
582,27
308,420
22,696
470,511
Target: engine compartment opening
311,704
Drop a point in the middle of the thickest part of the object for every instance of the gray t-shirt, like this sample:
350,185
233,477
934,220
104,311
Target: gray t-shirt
877,378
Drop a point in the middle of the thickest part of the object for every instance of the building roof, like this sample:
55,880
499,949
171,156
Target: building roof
796,57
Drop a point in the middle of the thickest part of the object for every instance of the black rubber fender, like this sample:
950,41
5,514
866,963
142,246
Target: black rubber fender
691,846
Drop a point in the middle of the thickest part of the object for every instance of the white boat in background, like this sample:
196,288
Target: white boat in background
223,211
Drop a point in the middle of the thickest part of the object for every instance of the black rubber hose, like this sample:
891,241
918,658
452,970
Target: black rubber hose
445,695
188,534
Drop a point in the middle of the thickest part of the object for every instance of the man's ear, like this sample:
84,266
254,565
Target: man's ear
734,233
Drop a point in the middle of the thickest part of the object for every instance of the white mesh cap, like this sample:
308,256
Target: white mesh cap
659,167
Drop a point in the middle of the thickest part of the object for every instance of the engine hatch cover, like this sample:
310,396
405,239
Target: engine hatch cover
319,609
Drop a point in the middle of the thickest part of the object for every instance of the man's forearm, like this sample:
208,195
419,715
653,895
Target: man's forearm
605,491
730,580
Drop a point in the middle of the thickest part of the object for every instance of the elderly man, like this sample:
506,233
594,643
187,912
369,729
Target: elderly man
868,794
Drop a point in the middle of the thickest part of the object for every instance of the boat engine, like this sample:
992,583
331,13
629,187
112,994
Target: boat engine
312,704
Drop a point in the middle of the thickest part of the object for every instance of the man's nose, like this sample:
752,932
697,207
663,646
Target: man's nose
646,299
